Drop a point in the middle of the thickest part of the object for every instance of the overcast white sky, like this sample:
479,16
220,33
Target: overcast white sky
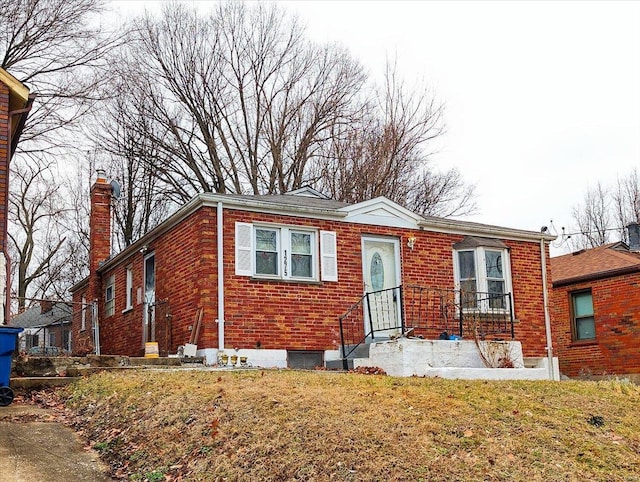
542,98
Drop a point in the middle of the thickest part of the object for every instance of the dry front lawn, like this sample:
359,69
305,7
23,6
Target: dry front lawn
288,425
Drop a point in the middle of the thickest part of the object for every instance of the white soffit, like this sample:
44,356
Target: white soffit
381,212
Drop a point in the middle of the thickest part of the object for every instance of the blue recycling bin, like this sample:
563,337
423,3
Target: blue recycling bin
8,342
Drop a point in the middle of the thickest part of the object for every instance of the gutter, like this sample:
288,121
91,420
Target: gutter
545,298
443,225
220,257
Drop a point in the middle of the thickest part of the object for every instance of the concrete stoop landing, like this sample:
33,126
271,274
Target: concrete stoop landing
462,359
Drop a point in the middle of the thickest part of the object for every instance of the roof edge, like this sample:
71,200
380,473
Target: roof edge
596,276
452,226
16,87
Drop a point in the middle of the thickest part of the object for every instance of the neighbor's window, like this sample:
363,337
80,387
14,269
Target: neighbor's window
482,275
583,321
290,253
109,296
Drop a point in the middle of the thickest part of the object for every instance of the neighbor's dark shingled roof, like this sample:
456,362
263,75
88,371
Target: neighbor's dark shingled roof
607,260
33,318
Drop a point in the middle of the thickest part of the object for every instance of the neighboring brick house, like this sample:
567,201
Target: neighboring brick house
291,265
596,309
15,103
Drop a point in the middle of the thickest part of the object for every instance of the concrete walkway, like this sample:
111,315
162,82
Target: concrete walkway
32,448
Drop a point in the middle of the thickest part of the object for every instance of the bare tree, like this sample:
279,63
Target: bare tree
238,101
626,202
35,209
129,156
51,46
593,219
387,154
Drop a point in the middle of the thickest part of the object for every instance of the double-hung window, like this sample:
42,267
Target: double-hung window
109,296
482,273
582,319
285,252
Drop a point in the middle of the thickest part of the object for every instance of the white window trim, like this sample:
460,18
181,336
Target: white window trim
111,283
322,249
481,273
283,248
129,289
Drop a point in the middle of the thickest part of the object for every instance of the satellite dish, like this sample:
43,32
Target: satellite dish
115,188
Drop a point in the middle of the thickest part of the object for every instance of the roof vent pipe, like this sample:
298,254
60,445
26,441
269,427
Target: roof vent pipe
634,236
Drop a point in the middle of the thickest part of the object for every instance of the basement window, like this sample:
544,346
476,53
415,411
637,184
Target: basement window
305,360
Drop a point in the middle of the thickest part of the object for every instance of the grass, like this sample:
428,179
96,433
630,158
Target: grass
288,425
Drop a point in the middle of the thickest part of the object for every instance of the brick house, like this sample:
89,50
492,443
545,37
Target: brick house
596,309
15,103
275,274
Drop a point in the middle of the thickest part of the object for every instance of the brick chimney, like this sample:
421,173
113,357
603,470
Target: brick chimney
99,230
45,306
633,230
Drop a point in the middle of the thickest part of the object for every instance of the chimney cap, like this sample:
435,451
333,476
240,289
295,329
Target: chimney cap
634,236
101,175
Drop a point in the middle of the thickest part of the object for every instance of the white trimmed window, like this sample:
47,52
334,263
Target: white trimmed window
285,252
109,296
483,276
129,289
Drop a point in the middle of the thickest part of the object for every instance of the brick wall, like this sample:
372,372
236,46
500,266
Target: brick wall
289,314
616,348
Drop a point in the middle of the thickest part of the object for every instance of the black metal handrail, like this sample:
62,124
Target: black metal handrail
381,310
425,312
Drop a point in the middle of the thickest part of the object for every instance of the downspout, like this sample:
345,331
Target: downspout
545,297
220,259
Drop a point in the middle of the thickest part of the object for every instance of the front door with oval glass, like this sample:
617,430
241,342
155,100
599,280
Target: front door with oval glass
381,273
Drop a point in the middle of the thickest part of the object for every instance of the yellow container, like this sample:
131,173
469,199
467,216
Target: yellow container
151,349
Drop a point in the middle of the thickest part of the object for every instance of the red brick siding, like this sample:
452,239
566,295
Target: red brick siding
616,348
291,315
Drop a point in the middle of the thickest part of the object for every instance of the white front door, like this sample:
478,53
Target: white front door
381,272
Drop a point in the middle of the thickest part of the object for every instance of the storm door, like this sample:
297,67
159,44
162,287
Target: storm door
381,272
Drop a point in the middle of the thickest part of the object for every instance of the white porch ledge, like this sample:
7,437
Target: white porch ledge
406,357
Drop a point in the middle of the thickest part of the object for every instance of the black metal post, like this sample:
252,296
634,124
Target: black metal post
370,317
460,307
402,325
513,334
345,363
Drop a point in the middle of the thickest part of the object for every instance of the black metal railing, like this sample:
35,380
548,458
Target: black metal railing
429,313
375,315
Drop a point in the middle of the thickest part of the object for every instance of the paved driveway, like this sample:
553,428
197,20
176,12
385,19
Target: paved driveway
32,448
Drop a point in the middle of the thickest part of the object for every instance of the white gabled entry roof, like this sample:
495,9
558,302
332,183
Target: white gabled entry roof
382,212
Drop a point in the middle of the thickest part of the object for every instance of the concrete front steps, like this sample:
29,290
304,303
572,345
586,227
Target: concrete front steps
360,352
39,372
